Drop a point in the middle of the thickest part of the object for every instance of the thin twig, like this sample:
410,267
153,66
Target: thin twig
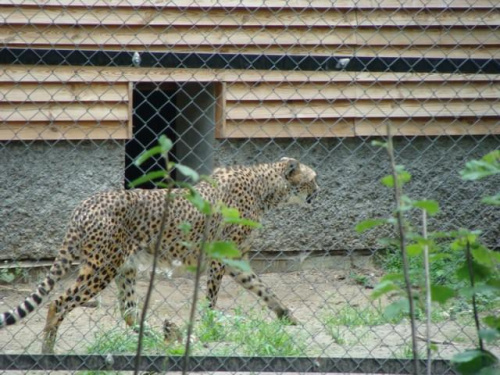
428,304
199,265
156,252
472,283
402,239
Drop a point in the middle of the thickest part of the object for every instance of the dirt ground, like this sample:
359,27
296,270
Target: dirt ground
312,295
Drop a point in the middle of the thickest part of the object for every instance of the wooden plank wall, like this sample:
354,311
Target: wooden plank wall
62,110
455,28
255,103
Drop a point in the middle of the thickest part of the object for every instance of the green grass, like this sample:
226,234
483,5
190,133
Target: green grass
248,334
406,352
124,341
240,334
361,279
442,271
358,317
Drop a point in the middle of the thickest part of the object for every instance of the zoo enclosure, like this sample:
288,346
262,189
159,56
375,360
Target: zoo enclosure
245,82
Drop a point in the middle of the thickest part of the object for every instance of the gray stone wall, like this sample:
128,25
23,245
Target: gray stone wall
41,183
349,174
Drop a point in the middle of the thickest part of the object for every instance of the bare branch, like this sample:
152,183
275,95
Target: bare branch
402,239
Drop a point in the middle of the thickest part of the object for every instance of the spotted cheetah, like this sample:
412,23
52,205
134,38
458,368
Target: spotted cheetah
109,231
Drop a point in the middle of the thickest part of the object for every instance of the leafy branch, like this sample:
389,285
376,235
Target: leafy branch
223,251
477,270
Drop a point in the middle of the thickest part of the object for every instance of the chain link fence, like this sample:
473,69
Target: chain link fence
87,86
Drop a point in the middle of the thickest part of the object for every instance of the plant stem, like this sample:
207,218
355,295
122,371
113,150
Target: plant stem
472,283
402,239
156,252
195,293
428,305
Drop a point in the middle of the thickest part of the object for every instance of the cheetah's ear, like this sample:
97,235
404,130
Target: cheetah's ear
291,166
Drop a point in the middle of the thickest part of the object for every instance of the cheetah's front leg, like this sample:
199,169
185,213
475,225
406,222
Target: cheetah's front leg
215,274
252,282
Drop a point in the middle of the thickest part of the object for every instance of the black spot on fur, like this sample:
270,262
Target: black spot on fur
9,318
21,312
36,298
29,306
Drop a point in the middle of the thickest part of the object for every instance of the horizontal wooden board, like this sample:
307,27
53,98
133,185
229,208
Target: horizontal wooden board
359,127
235,36
353,91
359,109
252,4
63,130
244,17
54,112
57,74
63,92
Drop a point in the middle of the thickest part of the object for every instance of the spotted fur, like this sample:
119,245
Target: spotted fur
110,231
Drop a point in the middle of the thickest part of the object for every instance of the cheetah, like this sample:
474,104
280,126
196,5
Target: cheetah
109,231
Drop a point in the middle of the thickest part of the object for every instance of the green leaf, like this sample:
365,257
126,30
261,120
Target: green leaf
148,154
493,370
435,257
431,206
185,227
480,272
471,362
368,224
238,263
222,250
383,287
379,144
492,321
162,184
188,172
146,178
441,293
397,308
201,204
467,356
232,216
388,181
485,256
165,143
487,166
393,277
243,222
414,249
230,213
484,289
402,176
493,200
489,335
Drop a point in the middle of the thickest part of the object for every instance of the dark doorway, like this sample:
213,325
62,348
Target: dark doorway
154,114
185,113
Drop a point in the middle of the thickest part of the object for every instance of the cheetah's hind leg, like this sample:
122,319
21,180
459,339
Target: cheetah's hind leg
88,284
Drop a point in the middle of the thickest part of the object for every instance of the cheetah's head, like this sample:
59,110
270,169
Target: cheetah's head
302,181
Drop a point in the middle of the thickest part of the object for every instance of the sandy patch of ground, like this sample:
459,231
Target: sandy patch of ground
313,295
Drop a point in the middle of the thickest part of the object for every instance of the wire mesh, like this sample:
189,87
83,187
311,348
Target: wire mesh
87,86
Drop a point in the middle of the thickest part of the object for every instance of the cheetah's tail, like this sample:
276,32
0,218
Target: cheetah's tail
56,272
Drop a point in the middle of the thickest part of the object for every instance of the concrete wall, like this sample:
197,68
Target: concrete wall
40,184
349,173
